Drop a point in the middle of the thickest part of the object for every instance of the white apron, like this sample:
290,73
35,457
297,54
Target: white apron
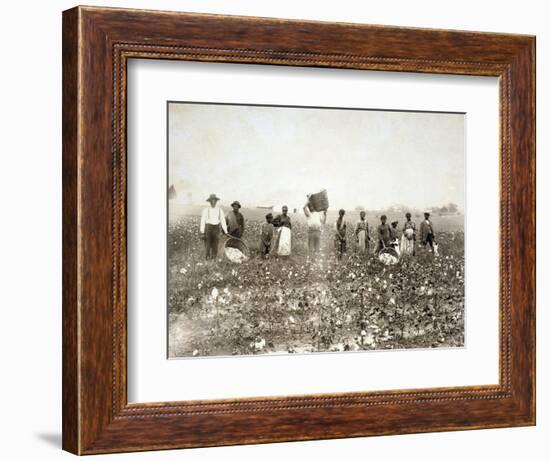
284,242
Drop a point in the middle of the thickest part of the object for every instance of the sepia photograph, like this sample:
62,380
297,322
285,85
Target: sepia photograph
295,230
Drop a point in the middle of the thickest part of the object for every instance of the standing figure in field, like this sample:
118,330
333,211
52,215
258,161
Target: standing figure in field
315,221
362,234
394,237
427,234
383,234
235,221
340,242
266,235
394,234
283,240
212,221
408,238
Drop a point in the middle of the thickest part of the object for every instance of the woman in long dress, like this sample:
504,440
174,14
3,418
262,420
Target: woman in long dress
283,239
408,238
362,234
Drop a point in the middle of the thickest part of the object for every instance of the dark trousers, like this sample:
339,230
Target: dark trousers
265,248
211,240
430,240
314,240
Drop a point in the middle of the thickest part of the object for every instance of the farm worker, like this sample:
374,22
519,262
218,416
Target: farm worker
340,234
235,221
394,232
282,245
266,235
409,237
362,234
427,234
394,236
315,220
383,232
212,219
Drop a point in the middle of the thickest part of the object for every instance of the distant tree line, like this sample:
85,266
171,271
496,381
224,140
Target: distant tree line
450,208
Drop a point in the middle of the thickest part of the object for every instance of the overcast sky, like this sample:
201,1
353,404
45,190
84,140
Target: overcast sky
277,155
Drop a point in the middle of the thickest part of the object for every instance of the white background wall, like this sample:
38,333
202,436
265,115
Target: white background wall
30,227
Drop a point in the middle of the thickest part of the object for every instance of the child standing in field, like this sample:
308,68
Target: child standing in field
340,241
394,237
408,238
383,232
394,233
362,234
266,235
427,234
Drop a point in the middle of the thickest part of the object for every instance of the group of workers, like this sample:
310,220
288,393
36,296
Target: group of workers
276,232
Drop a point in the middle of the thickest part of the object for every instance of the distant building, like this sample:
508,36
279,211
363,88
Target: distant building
172,192
185,198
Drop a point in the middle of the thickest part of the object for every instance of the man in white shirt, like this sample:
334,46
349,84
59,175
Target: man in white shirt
212,219
315,221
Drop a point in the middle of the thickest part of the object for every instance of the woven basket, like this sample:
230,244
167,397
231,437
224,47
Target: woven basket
319,201
238,244
389,250
382,255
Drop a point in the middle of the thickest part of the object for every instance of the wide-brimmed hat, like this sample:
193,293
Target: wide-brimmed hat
395,222
236,202
212,197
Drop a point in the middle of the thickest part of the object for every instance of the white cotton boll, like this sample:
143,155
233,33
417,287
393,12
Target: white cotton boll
235,255
259,344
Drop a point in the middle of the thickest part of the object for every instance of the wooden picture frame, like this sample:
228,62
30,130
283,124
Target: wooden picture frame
97,43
